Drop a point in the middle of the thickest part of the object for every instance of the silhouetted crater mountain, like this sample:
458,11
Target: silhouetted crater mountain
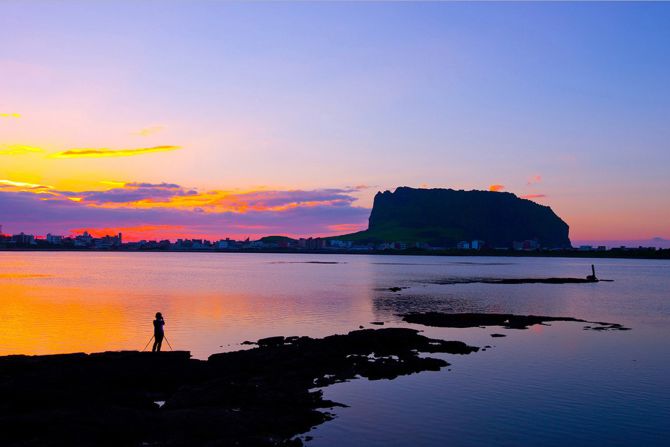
443,217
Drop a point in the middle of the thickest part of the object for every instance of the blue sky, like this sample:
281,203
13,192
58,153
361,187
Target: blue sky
565,103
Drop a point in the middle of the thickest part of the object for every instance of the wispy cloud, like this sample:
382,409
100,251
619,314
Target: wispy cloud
148,131
10,115
534,196
534,180
19,149
496,188
106,152
168,195
22,186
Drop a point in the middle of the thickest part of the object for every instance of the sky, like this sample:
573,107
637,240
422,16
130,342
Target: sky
213,119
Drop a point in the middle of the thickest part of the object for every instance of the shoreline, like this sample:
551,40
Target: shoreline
268,395
264,396
660,254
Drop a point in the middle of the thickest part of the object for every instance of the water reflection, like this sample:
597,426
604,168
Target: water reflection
66,302
609,388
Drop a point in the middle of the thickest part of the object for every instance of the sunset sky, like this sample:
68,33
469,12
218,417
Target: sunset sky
212,119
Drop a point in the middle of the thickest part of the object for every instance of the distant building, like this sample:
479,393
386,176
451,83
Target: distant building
316,243
336,243
198,244
83,240
529,244
23,239
224,244
585,248
477,244
108,242
54,239
463,245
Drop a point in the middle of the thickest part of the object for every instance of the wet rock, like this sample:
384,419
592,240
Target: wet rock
498,335
458,280
377,323
271,341
262,396
395,289
509,321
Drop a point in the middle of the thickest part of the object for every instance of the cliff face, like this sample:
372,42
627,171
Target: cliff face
445,216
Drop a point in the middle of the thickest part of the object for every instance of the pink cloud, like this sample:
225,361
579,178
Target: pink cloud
534,180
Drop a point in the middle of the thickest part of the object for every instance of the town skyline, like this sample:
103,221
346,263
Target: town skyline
105,239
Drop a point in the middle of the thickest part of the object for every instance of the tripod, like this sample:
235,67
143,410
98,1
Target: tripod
152,337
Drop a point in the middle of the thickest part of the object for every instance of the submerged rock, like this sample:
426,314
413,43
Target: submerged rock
262,396
510,321
457,280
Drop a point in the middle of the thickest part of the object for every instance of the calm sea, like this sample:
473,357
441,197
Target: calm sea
549,385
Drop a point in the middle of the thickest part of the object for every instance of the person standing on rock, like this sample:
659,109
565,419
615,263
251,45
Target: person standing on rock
158,332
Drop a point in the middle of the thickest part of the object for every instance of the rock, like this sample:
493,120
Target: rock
509,321
498,335
377,323
262,396
448,281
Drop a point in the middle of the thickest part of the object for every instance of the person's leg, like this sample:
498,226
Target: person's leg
153,348
159,343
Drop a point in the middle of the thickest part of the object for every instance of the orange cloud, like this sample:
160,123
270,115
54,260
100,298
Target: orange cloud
166,195
105,152
496,188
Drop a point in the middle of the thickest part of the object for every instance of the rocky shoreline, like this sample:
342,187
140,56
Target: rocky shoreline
264,396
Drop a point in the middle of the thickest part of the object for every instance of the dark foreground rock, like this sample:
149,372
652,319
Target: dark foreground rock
257,397
509,321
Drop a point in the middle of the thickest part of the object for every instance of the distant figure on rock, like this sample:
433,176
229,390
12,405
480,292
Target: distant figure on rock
158,332
592,277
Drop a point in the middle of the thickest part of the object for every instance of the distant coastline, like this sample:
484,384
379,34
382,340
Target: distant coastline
616,253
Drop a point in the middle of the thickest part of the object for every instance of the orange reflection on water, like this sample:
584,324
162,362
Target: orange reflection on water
33,325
